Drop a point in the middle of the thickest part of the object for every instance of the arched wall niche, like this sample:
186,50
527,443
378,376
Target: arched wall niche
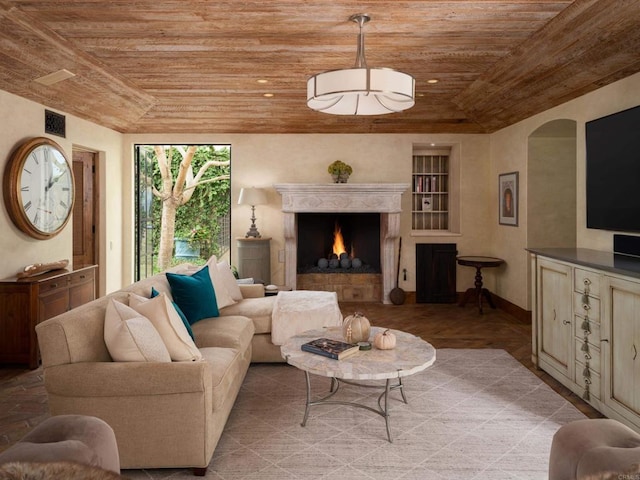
551,185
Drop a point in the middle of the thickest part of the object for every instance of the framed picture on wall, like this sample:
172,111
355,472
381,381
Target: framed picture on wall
508,199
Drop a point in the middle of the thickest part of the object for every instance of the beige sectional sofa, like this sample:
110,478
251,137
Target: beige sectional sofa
163,414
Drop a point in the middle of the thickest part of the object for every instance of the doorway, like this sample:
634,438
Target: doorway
552,190
85,214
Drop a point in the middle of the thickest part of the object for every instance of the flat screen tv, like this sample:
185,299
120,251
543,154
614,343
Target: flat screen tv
613,171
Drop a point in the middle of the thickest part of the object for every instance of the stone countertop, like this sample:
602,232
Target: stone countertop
597,259
411,355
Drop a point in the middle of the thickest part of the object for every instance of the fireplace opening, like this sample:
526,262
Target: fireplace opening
338,243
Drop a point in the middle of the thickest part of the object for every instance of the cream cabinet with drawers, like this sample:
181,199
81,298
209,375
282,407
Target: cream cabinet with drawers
601,357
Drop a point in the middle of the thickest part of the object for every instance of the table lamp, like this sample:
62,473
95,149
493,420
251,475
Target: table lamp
252,196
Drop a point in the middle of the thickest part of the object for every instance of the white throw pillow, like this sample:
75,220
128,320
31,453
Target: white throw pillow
229,280
131,337
223,297
162,314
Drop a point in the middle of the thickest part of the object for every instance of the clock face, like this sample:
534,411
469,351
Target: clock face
46,188
40,185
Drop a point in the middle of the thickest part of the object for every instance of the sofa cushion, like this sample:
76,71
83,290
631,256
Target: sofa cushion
228,331
194,294
229,280
131,337
223,296
226,369
257,309
185,322
167,322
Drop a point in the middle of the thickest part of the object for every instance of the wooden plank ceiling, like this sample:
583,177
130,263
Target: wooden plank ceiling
192,66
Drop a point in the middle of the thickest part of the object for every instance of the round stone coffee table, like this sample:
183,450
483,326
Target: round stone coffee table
411,355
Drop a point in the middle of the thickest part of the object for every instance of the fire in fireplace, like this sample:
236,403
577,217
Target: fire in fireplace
338,243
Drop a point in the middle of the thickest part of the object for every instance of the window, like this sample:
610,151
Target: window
201,222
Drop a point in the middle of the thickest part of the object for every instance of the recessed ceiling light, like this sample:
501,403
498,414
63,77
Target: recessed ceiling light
55,77
433,80
268,95
262,80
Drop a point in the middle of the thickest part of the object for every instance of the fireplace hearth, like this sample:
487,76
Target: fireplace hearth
379,200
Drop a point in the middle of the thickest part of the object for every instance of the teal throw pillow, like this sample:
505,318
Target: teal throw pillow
155,293
194,294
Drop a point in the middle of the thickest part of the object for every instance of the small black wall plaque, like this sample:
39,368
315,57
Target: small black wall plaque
55,124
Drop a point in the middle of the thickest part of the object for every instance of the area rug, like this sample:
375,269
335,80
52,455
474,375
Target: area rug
475,414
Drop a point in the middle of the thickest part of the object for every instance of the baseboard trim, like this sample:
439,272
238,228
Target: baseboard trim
520,314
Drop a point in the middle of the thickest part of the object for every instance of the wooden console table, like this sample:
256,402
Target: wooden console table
478,291
25,302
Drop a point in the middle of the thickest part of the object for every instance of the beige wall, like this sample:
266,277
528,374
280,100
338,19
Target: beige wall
25,119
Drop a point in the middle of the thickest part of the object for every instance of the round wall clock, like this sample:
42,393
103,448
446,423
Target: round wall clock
38,188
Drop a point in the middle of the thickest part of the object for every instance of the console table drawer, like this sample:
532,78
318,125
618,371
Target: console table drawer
589,308
51,286
594,353
81,277
594,378
594,330
586,281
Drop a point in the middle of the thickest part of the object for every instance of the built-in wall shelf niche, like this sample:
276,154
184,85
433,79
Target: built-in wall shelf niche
431,190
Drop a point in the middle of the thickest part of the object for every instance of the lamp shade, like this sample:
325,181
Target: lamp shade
361,91
252,196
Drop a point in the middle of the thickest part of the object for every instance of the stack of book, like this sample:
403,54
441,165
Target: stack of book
330,348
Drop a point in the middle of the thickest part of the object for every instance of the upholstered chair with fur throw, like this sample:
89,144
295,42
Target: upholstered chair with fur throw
595,449
79,439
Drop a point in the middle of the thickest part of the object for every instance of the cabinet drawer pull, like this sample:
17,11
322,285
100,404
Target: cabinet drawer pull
53,285
566,322
635,351
586,282
586,306
82,277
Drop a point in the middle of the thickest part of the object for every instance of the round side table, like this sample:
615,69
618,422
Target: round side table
478,291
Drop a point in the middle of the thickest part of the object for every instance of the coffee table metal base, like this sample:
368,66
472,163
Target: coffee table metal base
383,399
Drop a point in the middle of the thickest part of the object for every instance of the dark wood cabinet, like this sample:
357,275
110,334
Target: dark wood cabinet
25,302
436,272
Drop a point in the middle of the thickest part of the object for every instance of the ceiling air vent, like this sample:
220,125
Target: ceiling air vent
55,77
55,123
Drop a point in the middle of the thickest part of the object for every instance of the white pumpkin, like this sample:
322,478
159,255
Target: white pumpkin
356,328
384,340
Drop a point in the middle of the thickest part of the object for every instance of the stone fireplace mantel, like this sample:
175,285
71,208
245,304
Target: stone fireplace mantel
383,198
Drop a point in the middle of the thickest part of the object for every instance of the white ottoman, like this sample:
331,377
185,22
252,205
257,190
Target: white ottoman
300,310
